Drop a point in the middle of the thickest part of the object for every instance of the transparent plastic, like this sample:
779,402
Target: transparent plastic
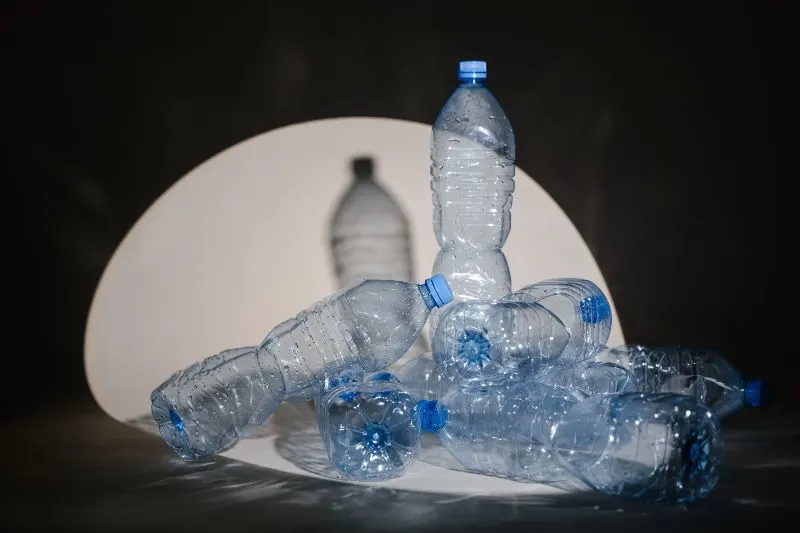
486,339
703,374
581,306
472,178
649,447
500,428
424,379
370,430
586,378
206,407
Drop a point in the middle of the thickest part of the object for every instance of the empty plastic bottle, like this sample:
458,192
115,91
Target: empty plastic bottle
206,407
580,305
371,429
424,379
650,447
483,338
499,427
586,378
701,373
472,178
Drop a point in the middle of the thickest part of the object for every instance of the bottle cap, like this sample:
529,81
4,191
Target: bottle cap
432,415
440,290
362,167
471,70
756,393
382,376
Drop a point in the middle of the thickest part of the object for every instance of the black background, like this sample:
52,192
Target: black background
657,126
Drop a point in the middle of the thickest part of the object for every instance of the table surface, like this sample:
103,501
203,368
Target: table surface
77,469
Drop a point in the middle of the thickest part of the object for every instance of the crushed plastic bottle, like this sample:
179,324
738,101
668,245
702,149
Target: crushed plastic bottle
472,177
649,447
206,407
483,338
581,306
701,373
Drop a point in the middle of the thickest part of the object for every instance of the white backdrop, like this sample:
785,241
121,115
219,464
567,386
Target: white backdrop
239,244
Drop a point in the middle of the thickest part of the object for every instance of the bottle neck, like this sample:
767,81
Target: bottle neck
471,82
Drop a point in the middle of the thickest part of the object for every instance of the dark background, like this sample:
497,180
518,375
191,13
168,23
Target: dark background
657,126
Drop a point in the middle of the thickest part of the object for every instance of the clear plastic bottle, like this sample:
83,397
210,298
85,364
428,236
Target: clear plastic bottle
649,447
371,429
701,373
500,427
484,339
580,305
472,178
424,379
586,378
206,407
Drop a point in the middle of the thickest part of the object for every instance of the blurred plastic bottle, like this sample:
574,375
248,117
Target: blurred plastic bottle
370,236
472,171
649,447
586,378
580,305
485,339
499,427
371,429
206,407
424,379
703,374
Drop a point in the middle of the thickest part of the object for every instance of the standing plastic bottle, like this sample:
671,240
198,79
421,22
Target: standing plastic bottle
370,236
472,178
580,305
704,374
486,339
649,447
206,407
371,429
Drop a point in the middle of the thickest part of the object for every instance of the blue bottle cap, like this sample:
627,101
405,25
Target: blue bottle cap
432,415
440,290
471,70
756,393
383,376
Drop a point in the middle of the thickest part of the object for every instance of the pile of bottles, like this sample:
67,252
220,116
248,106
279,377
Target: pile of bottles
517,384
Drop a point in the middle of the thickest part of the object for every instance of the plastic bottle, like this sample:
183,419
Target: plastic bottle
423,379
580,305
472,178
498,427
586,378
482,338
206,407
370,236
701,373
371,429
649,447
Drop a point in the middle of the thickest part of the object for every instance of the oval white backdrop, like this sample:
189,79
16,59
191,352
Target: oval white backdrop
239,244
